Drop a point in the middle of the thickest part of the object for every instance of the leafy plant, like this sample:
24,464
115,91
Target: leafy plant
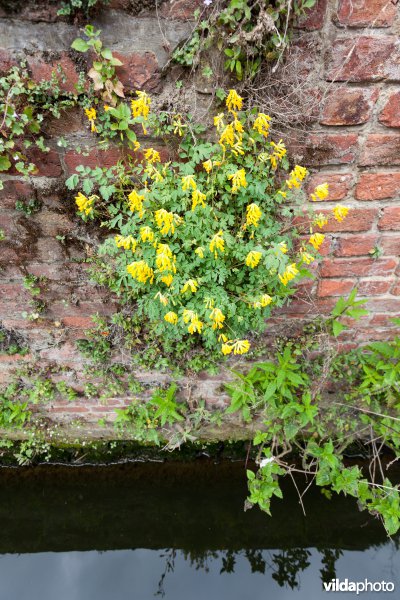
71,7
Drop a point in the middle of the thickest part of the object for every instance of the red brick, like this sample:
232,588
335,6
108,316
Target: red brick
180,10
139,71
366,13
349,106
396,288
363,59
384,304
390,245
355,245
6,61
339,184
378,186
354,267
14,190
335,287
390,219
42,70
373,287
358,219
96,157
326,149
390,116
381,149
382,320
314,17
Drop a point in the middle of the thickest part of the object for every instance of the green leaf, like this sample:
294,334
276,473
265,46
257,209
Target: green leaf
337,328
5,164
80,45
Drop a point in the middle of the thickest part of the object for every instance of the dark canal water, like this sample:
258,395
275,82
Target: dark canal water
178,531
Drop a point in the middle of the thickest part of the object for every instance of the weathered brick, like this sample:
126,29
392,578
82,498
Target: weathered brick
358,219
6,61
363,59
349,106
52,224
326,149
390,115
390,244
96,157
355,245
42,69
366,13
13,191
381,149
335,287
373,287
382,320
390,305
180,10
339,184
354,267
139,71
390,219
378,186
396,288
314,17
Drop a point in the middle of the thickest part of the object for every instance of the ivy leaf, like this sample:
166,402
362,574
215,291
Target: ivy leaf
5,164
80,45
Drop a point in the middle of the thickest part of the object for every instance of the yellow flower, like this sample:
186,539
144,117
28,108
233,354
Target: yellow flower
307,258
163,258
253,258
146,234
198,198
238,180
207,165
136,145
219,121
152,155
179,127
84,204
141,106
163,299
296,177
316,240
241,346
227,348
218,317
195,326
262,123
320,220
188,182
199,251
140,271
128,242
189,315
136,202
283,194
234,101
107,108
290,273
165,221
340,212
278,153
191,284
217,243
265,300
153,173
92,116
283,247
222,337
253,214
171,317
167,279
321,192
228,137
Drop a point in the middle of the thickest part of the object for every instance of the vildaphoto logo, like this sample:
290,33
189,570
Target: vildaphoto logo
344,585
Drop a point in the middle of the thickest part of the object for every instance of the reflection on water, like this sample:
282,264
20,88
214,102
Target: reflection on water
138,532
175,575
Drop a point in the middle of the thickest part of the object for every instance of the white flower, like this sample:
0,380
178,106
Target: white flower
265,461
208,2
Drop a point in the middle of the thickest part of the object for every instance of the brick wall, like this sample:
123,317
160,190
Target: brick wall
352,45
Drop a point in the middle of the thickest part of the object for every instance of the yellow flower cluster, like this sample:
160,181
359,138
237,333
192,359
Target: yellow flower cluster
264,301
253,214
218,318
238,347
238,180
152,155
188,183
146,234
296,177
320,193
92,116
171,317
85,205
128,242
340,212
163,299
136,203
234,101
191,317
165,221
278,153
198,198
190,284
316,240
140,271
290,273
164,258
320,220
306,258
253,258
262,124
217,243
141,107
